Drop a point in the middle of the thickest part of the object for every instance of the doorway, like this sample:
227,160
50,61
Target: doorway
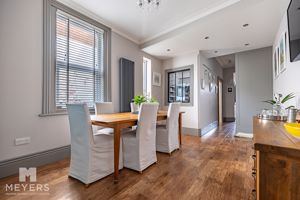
220,101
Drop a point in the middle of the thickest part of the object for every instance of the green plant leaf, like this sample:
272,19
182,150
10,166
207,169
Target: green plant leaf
290,107
139,99
288,97
272,102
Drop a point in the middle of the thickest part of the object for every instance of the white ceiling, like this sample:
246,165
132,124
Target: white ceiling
141,25
181,25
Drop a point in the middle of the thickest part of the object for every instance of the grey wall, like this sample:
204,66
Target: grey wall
21,64
254,85
208,100
203,114
228,97
122,47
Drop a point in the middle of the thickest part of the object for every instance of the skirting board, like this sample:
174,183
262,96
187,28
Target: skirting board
209,128
11,166
191,131
199,132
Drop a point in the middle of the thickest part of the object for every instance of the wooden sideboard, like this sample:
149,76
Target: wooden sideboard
276,170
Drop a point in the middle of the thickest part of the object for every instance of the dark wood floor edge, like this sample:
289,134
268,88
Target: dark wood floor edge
11,166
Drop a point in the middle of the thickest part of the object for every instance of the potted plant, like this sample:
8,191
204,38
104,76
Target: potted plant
277,103
139,99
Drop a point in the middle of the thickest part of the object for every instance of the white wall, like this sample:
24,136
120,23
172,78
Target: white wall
204,110
228,97
21,65
208,101
288,81
190,118
253,85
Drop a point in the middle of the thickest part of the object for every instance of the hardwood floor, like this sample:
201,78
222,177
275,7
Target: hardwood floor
216,166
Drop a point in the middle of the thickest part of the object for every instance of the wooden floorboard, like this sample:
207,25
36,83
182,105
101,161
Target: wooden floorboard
216,166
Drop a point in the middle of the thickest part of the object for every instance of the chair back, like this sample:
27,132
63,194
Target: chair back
173,115
134,108
146,129
104,108
80,128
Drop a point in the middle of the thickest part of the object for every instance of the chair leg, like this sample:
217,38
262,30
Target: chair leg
170,153
87,185
140,172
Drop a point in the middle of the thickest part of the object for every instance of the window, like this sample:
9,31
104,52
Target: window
76,59
79,62
179,85
147,77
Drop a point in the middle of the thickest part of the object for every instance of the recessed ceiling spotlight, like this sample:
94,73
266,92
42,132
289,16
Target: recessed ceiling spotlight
216,51
168,49
206,38
247,44
245,25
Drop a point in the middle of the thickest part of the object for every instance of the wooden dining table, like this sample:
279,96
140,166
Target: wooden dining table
119,121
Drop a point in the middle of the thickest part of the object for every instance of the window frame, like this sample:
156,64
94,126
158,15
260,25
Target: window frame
180,69
49,55
147,77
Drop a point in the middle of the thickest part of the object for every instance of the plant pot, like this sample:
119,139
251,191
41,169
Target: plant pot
134,108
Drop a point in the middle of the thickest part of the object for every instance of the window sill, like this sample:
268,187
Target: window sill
92,112
52,114
182,104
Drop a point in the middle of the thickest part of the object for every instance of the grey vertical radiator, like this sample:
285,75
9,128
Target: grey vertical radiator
126,84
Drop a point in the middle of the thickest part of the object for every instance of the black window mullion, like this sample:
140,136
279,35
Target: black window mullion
180,84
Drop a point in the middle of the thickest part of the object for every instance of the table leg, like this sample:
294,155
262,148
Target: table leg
117,136
180,128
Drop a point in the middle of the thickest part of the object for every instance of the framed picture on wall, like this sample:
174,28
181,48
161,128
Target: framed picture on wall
282,53
202,83
156,81
275,63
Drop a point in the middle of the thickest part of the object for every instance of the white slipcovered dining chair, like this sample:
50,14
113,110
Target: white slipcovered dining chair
103,108
167,135
92,155
139,145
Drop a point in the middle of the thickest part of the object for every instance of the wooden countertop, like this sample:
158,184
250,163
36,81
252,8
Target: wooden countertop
271,136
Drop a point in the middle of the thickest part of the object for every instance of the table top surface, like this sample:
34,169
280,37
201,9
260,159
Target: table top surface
123,117
271,135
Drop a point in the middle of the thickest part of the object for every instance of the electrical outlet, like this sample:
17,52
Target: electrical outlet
24,140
